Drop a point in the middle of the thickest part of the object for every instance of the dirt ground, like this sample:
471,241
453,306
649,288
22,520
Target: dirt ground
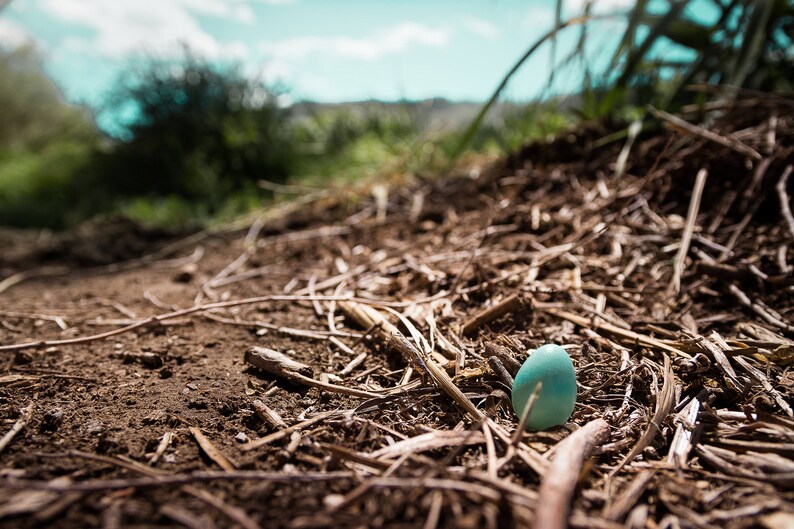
676,312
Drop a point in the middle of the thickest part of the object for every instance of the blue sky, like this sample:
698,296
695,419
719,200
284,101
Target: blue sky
326,50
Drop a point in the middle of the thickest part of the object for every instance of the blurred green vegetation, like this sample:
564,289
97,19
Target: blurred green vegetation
198,139
44,144
665,49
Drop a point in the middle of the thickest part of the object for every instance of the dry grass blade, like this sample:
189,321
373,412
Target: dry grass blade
632,336
197,309
769,388
522,421
686,238
429,441
162,446
725,141
665,400
681,444
785,202
105,485
369,317
294,428
761,311
617,509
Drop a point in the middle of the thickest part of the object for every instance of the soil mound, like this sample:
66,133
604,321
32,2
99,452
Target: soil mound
357,372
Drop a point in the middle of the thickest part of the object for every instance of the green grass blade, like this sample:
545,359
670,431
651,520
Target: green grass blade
557,22
756,34
638,54
475,124
627,41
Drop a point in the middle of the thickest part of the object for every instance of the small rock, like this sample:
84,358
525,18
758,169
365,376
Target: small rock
241,437
332,500
94,428
199,403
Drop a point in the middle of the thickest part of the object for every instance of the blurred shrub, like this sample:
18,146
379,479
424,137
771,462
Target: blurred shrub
667,46
532,122
32,111
748,45
196,130
37,186
351,142
44,143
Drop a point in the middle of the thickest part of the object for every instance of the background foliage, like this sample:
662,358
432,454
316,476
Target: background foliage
198,138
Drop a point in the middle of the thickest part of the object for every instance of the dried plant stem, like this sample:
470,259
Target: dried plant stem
686,238
508,305
369,317
19,425
559,482
745,300
156,320
268,415
212,451
294,428
665,400
725,141
635,337
785,206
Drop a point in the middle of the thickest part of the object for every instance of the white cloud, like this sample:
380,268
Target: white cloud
542,17
235,10
539,17
385,42
12,35
278,2
481,27
576,7
126,26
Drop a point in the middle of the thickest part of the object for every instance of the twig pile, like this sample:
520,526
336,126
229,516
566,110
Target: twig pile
670,285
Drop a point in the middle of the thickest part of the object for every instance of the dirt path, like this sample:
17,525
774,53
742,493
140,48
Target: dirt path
159,426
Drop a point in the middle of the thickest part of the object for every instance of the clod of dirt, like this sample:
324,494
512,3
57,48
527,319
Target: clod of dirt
186,273
52,420
146,359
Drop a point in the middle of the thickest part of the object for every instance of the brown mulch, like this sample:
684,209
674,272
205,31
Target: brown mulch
386,339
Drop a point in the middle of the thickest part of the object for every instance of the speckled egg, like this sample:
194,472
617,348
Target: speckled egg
551,365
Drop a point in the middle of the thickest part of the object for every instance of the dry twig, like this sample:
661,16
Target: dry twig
559,482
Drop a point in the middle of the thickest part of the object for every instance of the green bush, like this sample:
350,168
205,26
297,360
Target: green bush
349,143
749,46
37,187
44,143
196,130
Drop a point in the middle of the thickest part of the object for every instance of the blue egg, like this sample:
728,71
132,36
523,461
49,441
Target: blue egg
551,365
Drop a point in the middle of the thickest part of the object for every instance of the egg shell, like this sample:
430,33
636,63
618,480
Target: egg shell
551,365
